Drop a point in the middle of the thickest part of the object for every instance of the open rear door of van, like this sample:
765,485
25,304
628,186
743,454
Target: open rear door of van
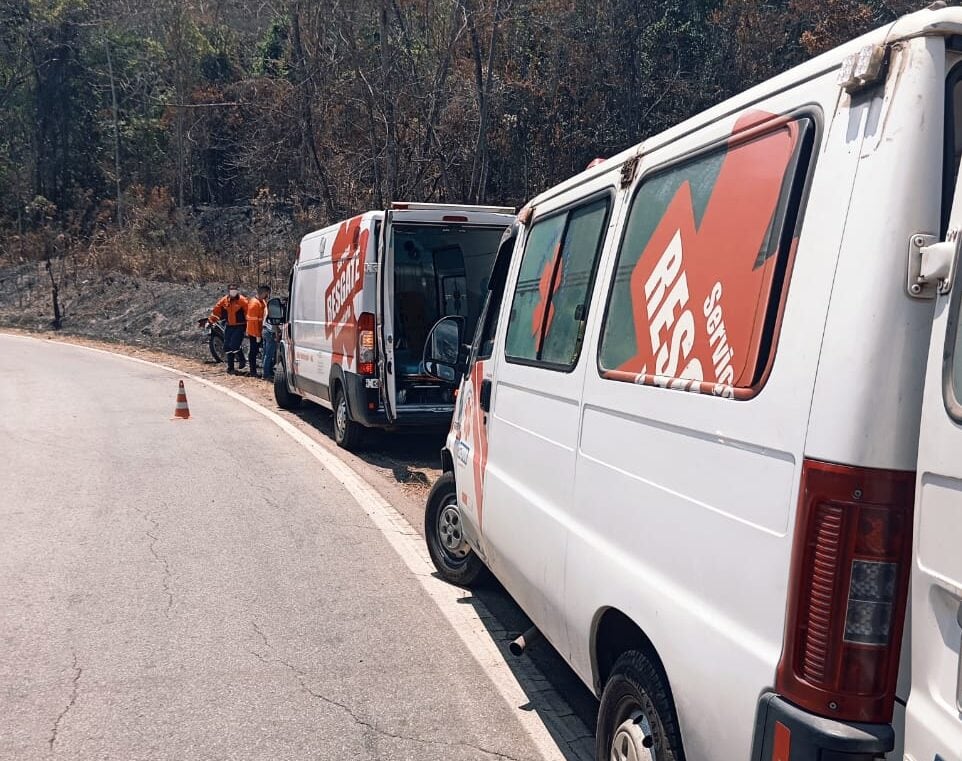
385,318
934,709
494,217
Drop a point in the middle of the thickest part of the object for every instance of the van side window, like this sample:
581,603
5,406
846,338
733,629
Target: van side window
551,299
488,325
702,266
483,344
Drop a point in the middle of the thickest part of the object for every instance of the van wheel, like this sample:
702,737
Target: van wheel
451,554
636,719
285,399
347,433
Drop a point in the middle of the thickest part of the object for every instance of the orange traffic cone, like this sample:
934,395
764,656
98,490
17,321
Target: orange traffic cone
181,411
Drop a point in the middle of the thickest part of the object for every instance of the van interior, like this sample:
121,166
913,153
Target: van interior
439,270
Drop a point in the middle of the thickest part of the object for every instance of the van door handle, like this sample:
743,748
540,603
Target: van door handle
484,395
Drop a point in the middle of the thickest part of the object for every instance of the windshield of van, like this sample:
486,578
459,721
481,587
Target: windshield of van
439,270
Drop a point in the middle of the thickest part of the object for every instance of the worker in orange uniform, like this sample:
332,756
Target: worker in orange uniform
233,309
256,309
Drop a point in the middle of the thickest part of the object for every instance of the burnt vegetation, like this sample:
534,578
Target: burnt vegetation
189,140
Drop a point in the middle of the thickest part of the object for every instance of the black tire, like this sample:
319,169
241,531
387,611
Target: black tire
285,399
348,433
462,566
216,344
637,703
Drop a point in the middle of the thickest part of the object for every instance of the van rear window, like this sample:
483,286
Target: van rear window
701,267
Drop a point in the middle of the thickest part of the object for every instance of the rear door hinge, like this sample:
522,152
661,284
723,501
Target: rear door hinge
932,264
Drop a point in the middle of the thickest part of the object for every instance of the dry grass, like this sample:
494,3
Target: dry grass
157,241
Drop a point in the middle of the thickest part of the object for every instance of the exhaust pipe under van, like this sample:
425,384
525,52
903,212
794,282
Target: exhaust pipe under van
530,637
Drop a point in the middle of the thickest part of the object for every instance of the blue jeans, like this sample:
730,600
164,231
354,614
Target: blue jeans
270,352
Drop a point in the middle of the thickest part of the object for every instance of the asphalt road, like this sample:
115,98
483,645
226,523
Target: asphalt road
203,589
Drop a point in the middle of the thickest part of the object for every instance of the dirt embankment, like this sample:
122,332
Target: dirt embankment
157,321
115,308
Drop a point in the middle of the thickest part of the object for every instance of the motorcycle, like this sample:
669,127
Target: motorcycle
214,336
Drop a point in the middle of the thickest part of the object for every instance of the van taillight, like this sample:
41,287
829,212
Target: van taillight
848,590
366,344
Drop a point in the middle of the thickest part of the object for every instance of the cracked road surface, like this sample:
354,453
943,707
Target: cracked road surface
204,589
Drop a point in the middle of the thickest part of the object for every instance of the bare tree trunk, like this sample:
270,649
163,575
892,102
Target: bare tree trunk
390,159
176,32
434,108
181,163
57,322
480,165
39,127
476,50
307,113
367,91
113,102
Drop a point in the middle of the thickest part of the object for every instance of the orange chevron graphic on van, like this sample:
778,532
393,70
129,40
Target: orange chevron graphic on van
548,286
347,255
475,432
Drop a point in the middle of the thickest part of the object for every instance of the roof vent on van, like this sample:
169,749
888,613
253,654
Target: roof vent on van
863,69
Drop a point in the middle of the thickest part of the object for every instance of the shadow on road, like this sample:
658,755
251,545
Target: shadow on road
413,458
508,622
406,454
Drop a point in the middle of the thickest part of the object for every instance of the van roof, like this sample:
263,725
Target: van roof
427,208
333,228
933,21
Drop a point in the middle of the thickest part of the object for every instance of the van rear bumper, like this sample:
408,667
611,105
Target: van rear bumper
814,738
360,400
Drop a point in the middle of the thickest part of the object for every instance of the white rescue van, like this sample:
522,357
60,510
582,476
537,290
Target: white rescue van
709,433
363,295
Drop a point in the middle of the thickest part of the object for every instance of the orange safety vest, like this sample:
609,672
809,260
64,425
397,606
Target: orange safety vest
255,317
235,310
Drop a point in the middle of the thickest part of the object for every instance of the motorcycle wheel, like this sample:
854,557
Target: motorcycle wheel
216,344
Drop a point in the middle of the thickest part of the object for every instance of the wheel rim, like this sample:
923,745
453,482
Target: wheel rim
340,416
633,739
450,532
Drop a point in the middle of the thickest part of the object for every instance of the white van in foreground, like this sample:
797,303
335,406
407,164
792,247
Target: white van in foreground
711,420
363,295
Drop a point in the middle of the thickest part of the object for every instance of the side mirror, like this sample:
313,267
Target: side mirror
443,349
276,311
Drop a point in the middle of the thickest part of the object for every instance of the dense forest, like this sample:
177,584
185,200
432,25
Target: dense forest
124,122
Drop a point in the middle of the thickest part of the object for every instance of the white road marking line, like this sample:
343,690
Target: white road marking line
465,619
